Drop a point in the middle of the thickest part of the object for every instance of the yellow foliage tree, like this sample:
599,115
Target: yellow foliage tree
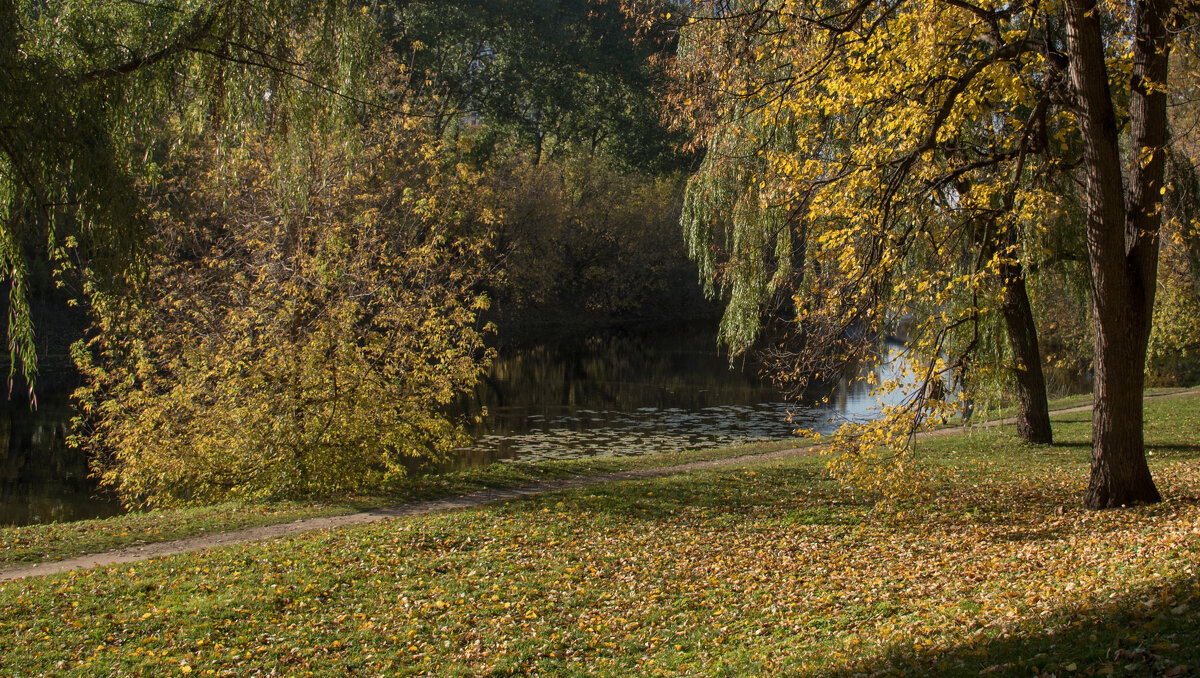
904,156
289,338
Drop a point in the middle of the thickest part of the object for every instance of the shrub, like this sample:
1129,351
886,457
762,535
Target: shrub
294,338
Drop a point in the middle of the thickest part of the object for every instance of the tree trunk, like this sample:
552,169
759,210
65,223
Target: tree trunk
1122,238
1033,412
1120,475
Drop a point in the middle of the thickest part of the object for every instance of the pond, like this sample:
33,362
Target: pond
42,479
614,393
631,393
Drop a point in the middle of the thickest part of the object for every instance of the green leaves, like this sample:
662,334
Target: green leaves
96,97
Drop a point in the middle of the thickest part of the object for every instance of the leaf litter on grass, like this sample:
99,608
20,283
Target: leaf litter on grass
771,570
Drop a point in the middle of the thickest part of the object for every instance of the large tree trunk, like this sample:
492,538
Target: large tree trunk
1033,412
1122,238
1120,475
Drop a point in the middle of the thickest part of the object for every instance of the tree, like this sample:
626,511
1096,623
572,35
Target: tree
289,339
559,76
1123,198
558,103
85,89
909,124
734,193
586,242
1175,338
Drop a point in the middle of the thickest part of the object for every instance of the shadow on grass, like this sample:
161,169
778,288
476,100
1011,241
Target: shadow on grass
1152,631
1175,451
1081,443
1166,449
1072,418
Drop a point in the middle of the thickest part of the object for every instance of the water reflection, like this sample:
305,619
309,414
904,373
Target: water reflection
626,394
41,478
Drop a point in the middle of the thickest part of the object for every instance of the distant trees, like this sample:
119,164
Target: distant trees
886,138
554,76
586,241
1175,337
559,103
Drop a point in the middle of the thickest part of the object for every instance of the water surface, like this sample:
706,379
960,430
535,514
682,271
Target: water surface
42,479
627,393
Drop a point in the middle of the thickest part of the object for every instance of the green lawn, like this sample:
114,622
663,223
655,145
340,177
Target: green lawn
55,541
764,570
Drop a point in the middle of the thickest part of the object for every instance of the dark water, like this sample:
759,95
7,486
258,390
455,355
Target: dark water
625,394
620,393
42,480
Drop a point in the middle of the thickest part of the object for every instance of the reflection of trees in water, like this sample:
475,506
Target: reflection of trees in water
41,478
638,393
621,372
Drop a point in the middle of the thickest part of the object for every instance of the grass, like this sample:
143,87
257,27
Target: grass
30,544
55,541
765,569
1065,402
1006,411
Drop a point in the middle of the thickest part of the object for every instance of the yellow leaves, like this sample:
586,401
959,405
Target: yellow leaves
292,355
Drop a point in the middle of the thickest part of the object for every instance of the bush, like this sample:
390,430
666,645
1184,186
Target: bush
291,338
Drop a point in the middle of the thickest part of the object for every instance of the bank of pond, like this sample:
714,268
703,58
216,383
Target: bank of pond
615,393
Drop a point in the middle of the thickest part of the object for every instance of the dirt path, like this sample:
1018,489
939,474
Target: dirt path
142,552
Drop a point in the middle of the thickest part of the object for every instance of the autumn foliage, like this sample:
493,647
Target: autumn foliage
878,165
288,338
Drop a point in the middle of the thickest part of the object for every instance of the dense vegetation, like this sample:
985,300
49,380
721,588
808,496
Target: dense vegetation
293,351
296,226
874,164
292,234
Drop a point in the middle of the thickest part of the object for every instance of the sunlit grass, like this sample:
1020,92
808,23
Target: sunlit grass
55,541
767,569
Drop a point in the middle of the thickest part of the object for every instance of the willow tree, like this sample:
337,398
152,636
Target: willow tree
915,127
761,260
87,88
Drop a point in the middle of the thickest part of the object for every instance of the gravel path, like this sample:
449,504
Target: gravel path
142,552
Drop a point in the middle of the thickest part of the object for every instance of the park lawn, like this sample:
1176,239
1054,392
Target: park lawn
25,545
29,544
767,569
1004,411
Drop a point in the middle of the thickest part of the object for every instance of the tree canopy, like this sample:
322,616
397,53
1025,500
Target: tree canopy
881,162
94,96
555,75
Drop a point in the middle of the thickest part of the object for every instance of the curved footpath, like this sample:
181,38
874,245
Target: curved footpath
131,554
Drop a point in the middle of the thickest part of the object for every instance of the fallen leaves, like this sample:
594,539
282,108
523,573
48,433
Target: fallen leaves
721,572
